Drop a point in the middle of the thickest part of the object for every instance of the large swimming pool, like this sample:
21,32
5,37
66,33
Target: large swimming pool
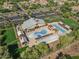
41,33
58,27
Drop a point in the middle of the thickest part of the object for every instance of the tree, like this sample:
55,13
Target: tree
76,34
30,53
1,39
65,9
65,40
42,48
77,14
51,4
35,52
1,2
60,55
76,1
4,54
34,6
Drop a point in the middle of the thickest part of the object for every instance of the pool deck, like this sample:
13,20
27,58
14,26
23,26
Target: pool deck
38,30
48,39
62,30
50,35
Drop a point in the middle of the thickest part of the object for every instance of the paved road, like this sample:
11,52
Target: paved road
22,10
44,14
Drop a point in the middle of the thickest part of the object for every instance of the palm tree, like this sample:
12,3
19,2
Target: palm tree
76,34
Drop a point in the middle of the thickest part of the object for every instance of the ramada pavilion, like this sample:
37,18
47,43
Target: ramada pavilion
34,31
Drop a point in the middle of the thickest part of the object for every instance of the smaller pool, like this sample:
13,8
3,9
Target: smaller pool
59,28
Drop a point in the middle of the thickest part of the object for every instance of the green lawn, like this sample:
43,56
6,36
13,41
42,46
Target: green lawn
71,57
71,23
10,36
75,57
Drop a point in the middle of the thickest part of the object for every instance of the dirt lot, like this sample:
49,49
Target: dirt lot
72,49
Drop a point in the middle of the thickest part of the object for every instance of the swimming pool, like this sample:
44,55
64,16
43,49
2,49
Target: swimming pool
41,33
58,27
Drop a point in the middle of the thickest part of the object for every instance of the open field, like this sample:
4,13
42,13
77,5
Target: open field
10,37
71,23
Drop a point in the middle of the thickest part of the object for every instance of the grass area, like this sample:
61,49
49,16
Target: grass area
75,57
65,41
2,10
72,57
11,42
71,23
10,36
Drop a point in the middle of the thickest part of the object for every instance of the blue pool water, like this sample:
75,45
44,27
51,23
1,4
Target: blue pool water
59,28
41,33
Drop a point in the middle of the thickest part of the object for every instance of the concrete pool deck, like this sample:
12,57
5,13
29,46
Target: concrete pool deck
32,33
49,39
51,35
61,30
47,33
